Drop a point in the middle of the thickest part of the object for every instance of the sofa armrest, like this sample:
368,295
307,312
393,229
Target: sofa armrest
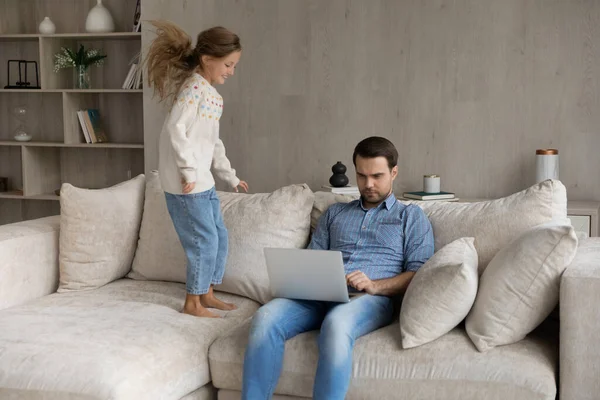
580,324
28,260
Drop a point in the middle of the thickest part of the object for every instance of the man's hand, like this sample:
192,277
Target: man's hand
359,281
187,187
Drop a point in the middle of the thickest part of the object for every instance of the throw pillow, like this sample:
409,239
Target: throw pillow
440,294
254,221
520,286
98,233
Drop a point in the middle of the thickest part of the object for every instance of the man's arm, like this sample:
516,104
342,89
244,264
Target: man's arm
380,287
320,237
419,245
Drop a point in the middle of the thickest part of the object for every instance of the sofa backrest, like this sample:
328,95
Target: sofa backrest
492,223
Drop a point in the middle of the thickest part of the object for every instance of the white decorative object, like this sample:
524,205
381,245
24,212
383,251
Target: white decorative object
20,133
431,183
22,137
47,27
99,19
546,164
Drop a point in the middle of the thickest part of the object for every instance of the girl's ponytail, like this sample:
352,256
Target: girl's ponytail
170,60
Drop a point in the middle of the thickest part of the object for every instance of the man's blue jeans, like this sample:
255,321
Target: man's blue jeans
199,224
341,324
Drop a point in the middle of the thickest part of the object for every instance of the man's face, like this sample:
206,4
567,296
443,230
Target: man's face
374,179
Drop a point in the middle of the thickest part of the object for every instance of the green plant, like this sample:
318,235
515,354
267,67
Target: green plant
66,58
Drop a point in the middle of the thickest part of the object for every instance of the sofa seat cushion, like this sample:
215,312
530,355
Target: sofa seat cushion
448,368
125,340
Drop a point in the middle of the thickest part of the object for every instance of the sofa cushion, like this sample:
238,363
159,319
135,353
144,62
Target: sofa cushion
29,266
448,368
98,233
492,223
254,221
126,340
440,294
520,286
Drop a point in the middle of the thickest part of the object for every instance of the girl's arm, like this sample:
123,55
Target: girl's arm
222,167
179,121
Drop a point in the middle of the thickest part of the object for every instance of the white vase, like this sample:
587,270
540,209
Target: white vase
47,27
99,19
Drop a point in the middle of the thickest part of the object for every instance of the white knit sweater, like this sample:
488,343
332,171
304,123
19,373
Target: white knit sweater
189,142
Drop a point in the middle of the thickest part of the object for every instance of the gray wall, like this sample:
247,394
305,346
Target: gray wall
467,89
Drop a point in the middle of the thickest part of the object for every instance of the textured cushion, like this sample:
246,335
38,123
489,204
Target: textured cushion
520,286
254,221
98,233
449,368
440,294
29,254
492,223
126,340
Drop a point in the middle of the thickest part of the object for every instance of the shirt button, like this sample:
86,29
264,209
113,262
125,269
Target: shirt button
364,227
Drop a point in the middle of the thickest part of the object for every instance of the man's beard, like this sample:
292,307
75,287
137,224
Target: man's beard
372,197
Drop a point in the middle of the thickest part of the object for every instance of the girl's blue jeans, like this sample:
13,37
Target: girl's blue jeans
199,224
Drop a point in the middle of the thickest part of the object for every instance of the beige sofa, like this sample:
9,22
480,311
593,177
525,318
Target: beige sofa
127,340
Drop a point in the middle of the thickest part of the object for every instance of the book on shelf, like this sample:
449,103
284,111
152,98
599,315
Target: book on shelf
92,126
86,134
352,190
133,80
429,196
137,22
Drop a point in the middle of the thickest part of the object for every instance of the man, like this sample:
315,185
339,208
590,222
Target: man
383,244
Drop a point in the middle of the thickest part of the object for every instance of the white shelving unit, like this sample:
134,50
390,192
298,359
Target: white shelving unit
58,152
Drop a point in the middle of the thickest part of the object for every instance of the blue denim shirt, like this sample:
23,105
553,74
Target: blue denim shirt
381,242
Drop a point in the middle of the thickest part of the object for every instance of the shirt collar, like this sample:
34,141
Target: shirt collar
203,79
388,203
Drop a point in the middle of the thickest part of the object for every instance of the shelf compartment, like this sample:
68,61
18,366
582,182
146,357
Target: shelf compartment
11,49
121,116
74,145
12,210
41,170
110,75
24,17
43,120
100,168
10,167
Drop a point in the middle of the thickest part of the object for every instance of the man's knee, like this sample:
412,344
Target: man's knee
264,323
337,331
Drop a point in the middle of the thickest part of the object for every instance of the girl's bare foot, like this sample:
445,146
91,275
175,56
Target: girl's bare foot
209,300
193,306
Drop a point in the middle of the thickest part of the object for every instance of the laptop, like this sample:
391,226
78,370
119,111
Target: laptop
307,274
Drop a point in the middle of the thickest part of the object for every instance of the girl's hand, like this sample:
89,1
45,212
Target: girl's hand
243,185
187,186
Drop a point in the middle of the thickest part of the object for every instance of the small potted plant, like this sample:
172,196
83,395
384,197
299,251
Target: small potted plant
81,61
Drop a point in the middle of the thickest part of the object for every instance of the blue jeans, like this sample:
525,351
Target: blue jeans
199,224
341,324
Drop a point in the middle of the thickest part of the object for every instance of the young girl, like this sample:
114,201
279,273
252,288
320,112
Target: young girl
190,145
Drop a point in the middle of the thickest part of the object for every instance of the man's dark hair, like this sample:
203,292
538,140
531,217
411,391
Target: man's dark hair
376,146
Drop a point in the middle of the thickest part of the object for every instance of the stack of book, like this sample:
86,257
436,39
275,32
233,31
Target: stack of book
133,80
91,126
423,196
349,190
